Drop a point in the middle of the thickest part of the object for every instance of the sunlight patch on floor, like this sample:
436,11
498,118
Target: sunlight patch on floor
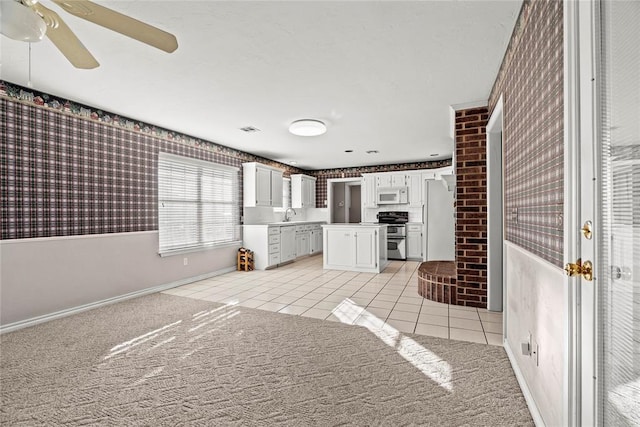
127,345
421,358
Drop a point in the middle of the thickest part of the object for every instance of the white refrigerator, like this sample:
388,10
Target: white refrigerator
439,222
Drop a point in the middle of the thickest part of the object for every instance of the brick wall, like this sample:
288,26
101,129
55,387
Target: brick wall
471,207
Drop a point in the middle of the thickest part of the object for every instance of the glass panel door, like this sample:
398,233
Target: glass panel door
619,261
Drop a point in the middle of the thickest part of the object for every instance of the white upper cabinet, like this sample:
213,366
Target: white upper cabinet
383,180
262,185
398,179
368,190
391,179
415,189
303,191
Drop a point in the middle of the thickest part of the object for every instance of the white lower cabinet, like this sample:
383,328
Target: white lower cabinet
316,239
366,248
264,241
273,245
303,241
415,242
357,248
339,250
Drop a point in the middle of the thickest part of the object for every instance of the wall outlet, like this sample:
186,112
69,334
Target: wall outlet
525,346
185,261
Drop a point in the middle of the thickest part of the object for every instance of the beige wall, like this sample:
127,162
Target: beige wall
46,275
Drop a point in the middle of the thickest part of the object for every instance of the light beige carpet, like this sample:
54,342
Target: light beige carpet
167,360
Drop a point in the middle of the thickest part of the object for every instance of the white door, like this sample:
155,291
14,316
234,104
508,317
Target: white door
618,162
608,161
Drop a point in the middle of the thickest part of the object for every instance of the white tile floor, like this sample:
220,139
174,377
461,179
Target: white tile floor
303,288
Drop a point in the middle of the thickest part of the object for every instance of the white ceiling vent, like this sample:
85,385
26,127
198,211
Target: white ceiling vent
249,129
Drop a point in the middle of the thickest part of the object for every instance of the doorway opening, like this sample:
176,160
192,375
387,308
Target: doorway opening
495,210
344,200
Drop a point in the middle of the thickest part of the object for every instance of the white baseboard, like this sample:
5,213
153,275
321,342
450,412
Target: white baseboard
528,397
75,310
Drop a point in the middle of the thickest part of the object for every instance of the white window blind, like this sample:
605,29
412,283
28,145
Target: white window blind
197,204
286,195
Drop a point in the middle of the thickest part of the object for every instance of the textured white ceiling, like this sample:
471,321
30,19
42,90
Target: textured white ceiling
381,74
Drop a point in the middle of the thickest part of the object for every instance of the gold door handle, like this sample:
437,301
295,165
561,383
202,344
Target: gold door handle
573,269
578,268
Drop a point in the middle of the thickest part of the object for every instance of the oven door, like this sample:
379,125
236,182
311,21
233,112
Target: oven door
395,231
397,248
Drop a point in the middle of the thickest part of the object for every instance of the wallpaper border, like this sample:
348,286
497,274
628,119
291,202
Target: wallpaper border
36,98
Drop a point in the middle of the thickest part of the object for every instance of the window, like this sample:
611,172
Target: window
286,195
197,204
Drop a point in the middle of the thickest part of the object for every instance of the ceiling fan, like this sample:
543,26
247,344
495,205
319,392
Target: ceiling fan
29,20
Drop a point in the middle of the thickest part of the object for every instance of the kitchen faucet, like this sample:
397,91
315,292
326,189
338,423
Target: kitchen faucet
286,214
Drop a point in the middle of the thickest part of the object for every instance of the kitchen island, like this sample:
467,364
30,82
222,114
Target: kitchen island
355,247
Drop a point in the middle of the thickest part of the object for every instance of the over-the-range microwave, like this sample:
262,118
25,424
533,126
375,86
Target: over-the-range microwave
392,196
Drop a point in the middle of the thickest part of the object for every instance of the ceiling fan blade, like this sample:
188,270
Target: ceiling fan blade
120,23
64,39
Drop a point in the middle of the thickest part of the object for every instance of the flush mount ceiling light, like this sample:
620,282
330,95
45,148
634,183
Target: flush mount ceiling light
307,127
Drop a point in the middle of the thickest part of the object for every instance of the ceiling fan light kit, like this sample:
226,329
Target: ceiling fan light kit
307,127
19,23
26,19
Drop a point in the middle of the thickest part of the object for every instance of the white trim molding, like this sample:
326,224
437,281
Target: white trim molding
528,397
79,309
571,179
496,292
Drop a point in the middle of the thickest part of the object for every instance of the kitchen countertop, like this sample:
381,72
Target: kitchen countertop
283,223
356,225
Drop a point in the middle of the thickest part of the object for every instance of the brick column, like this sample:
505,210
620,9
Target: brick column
471,207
